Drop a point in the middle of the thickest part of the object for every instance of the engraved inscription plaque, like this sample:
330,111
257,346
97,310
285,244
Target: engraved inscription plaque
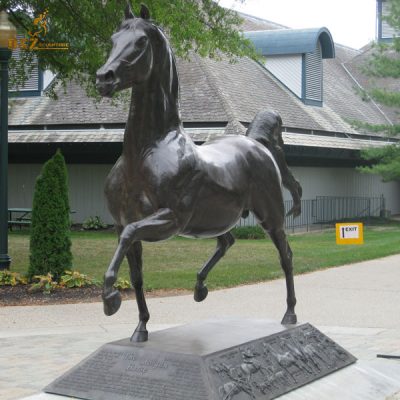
262,368
117,372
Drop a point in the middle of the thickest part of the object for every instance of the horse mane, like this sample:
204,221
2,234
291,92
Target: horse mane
173,84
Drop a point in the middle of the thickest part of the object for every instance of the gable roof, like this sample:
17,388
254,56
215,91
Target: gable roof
253,23
356,68
292,41
217,97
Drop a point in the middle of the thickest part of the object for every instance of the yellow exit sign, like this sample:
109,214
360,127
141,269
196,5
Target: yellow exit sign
350,233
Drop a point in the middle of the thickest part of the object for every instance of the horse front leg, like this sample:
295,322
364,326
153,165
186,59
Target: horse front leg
159,226
223,243
134,256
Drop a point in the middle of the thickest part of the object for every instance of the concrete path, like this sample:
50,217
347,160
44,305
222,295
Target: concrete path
356,305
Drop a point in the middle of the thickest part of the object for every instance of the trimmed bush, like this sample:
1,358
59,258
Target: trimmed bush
50,243
248,232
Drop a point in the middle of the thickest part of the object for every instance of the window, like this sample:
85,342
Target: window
33,85
385,31
312,75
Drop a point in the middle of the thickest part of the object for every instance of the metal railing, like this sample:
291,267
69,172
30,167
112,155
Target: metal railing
329,208
326,210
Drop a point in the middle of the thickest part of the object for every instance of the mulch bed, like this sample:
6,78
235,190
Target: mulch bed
21,296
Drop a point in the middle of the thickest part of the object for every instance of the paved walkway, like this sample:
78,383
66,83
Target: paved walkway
357,305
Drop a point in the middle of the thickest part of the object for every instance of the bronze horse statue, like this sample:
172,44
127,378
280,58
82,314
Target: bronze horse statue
165,185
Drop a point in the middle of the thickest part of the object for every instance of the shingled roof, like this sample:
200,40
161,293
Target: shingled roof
213,93
356,67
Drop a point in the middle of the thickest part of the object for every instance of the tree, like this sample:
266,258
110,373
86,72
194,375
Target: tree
50,243
386,63
87,25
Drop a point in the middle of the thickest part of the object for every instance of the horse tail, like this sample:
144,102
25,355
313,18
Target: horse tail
266,128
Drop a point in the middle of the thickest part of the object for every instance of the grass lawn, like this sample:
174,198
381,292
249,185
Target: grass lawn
173,264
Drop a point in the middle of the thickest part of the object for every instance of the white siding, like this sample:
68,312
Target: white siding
346,182
21,184
86,184
48,77
288,69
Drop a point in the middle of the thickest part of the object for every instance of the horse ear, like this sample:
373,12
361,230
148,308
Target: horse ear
128,11
144,12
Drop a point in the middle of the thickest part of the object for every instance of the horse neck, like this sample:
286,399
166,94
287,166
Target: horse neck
154,110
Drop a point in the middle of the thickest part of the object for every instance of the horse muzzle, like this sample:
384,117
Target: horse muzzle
106,83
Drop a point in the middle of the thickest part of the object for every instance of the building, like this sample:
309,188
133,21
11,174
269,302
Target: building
384,32
311,81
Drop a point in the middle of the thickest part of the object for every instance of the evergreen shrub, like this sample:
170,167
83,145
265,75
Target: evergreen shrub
50,243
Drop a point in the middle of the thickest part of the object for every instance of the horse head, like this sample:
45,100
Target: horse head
131,60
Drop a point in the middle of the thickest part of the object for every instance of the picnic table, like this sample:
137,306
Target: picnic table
19,217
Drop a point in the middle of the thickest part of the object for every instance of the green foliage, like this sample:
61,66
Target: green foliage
61,173
43,283
248,232
386,162
386,97
8,278
390,130
122,284
70,279
73,279
50,243
87,25
385,62
93,223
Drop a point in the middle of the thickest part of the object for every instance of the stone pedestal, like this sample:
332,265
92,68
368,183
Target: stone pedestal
226,359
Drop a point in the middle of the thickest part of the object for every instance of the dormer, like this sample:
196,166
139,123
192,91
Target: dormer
34,83
294,57
384,31
37,80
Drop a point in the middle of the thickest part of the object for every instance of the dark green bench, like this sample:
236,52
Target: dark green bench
18,223
19,217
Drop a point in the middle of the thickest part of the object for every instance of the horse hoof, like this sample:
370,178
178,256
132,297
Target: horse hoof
295,211
140,336
200,293
289,319
112,302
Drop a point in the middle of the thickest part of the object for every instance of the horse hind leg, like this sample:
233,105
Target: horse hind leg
223,243
279,239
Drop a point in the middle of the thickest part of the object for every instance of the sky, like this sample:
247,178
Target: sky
351,22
